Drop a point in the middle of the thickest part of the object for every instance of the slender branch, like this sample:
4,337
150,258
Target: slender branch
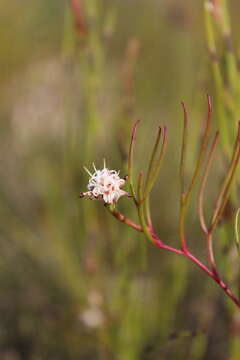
184,148
214,276
210,253
224,191
159,244
148,212
182,236
204,181
184,199
221,201
120,217
202,149
228,188
197,262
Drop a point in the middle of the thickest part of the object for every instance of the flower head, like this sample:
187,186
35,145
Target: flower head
104,185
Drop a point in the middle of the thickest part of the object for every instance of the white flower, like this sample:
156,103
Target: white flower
92,317
104,185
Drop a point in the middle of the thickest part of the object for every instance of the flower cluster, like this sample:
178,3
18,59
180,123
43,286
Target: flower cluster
104,185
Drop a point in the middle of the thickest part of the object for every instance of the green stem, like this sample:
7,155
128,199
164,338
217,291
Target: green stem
224,191
141,214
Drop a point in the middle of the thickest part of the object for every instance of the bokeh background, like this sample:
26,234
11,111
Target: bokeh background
74,283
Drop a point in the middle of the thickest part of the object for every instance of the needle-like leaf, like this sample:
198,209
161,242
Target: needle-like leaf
184,147
156,163
130,160
227,182
236,231
203,183
152,160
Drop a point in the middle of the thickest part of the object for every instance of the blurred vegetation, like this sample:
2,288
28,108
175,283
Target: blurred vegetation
74,283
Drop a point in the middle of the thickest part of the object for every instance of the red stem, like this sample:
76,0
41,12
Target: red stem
186,253
122,218
158,243
212,274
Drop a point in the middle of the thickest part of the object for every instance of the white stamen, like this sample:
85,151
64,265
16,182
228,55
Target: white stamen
87,171
94,167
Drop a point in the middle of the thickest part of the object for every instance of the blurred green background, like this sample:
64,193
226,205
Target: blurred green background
75,284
